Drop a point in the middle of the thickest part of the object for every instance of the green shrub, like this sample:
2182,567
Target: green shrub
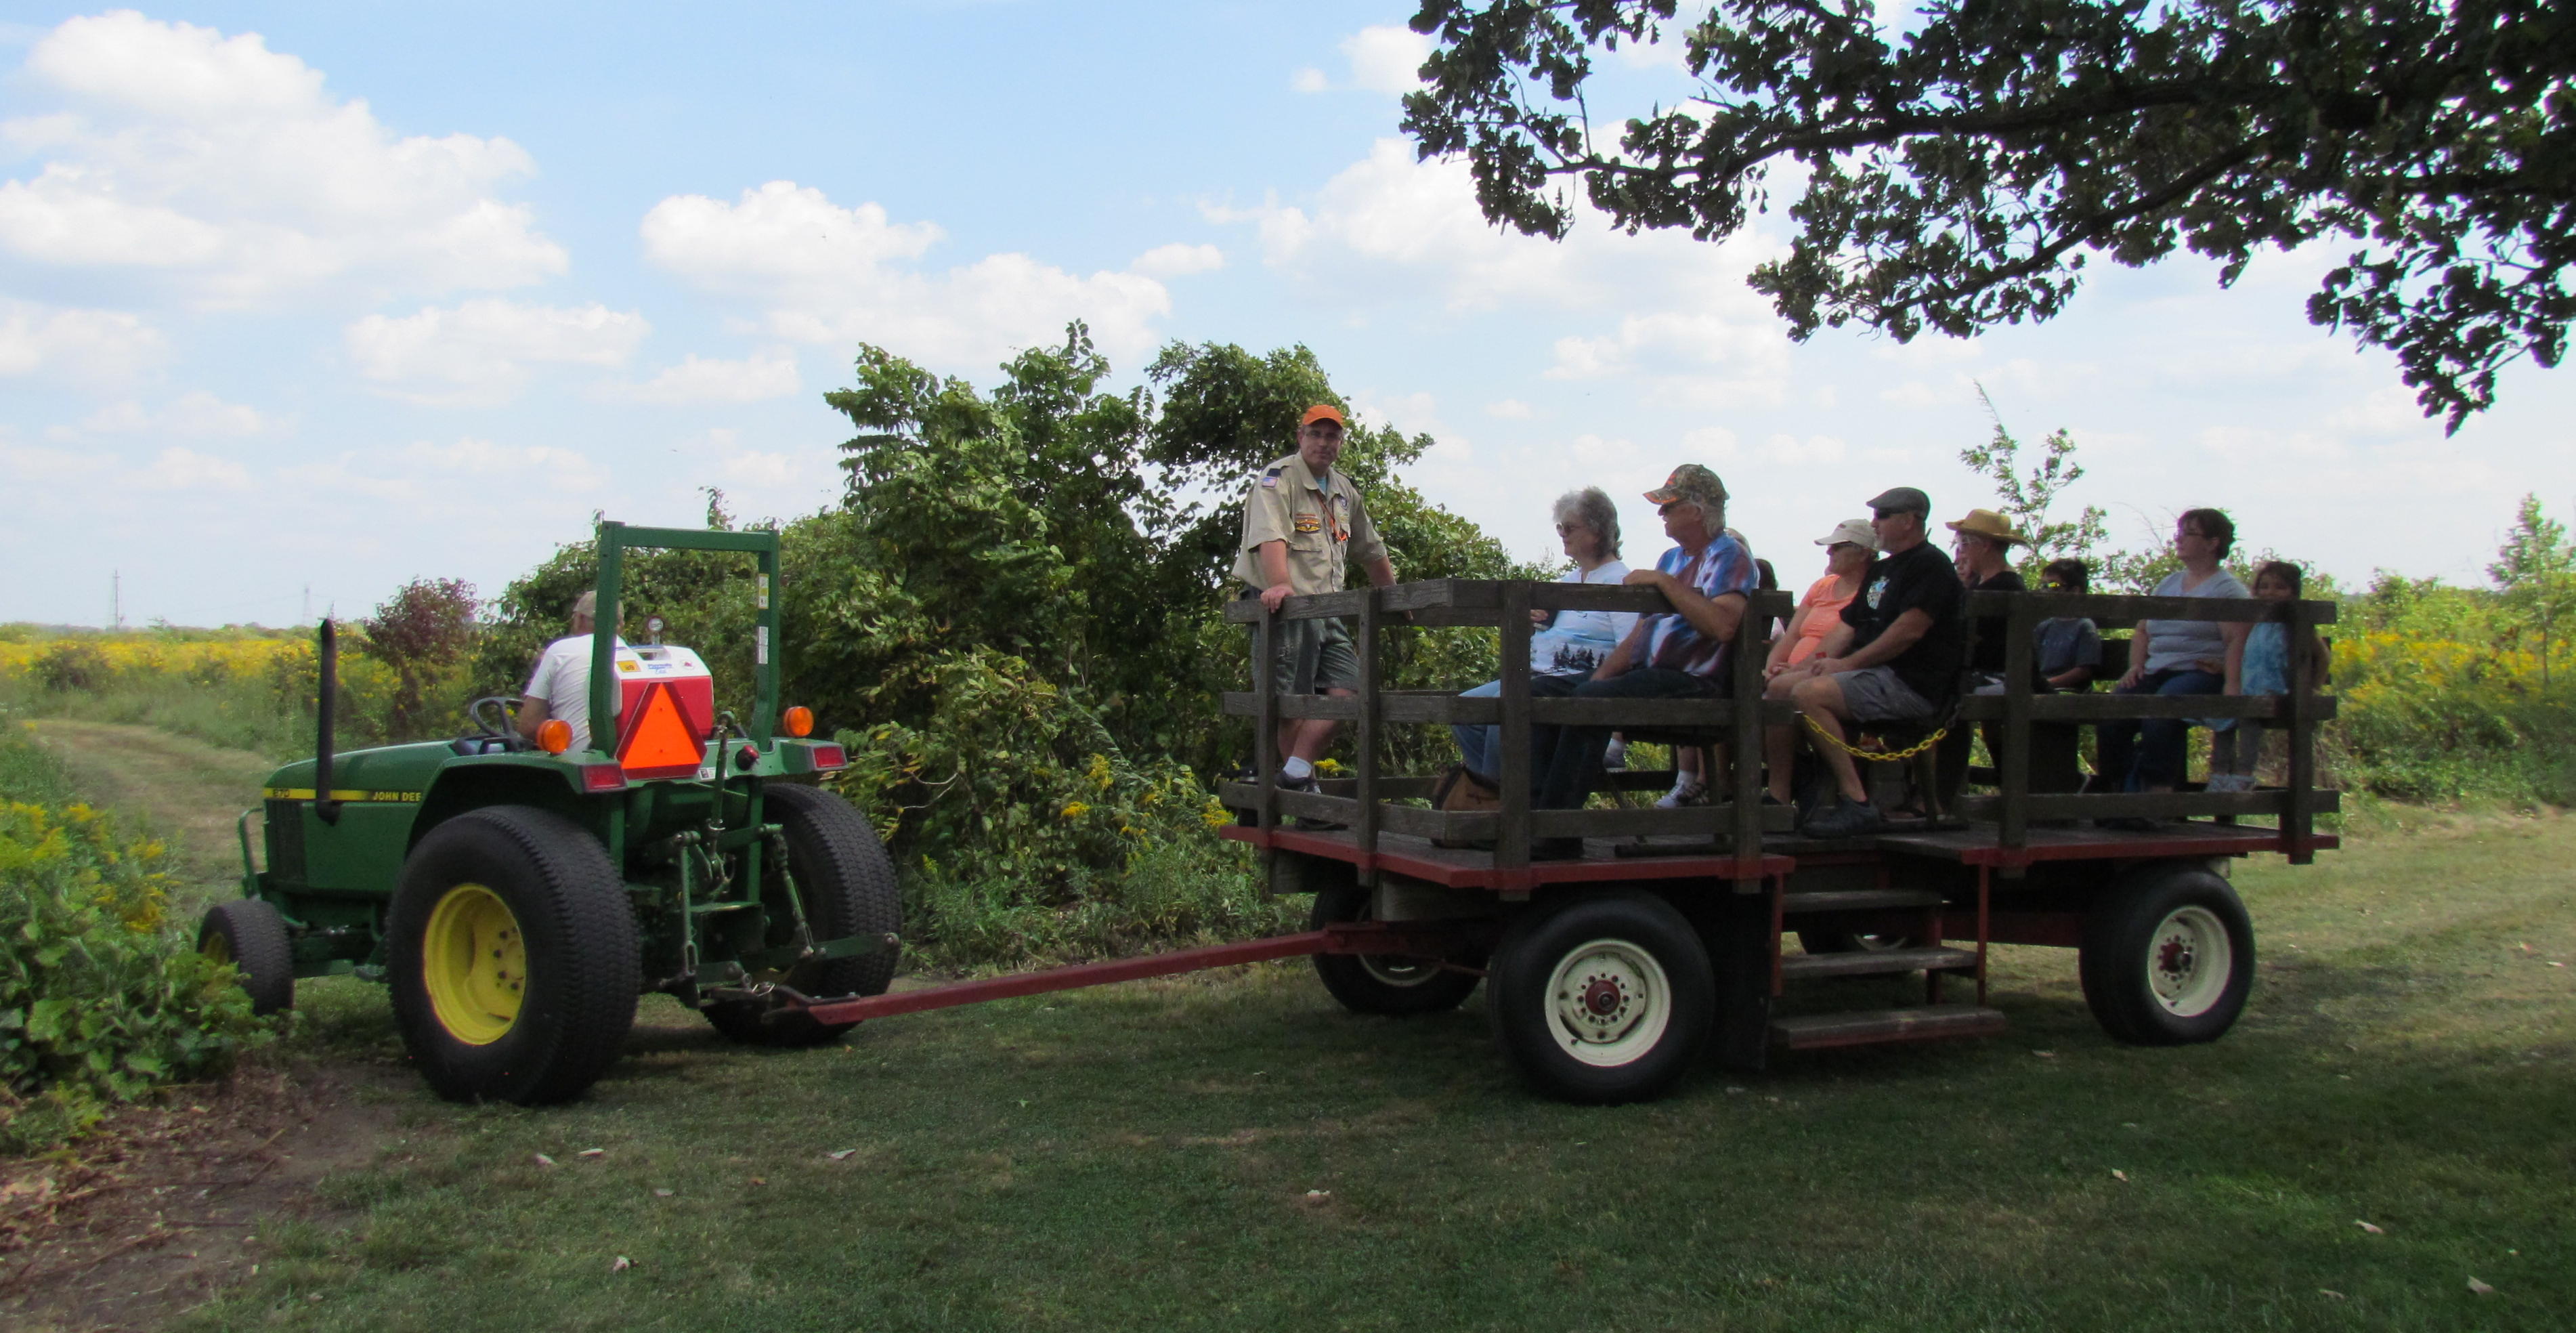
101,998
72,665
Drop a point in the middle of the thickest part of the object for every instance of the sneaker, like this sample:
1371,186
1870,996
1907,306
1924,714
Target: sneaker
1847,819
1687,792
1615,759
2223,783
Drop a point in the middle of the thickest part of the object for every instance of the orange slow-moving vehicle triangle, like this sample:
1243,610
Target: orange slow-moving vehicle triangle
659,744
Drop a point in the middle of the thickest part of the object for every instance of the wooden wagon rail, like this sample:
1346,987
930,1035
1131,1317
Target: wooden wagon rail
1370,802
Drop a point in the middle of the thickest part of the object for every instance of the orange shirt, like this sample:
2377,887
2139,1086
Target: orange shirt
1824,613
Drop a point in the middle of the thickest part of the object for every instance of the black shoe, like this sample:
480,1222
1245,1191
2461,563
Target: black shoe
1556,849
1847,819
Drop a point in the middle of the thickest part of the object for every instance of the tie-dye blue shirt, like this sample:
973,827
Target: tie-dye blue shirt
1722,567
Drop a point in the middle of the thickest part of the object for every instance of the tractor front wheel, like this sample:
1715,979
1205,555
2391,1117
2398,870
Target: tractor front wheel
250,935
848,888
512,957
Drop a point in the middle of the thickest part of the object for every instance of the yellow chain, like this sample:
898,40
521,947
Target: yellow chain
1876,756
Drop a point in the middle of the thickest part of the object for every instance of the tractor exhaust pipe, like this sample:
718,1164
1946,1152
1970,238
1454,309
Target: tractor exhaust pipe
326,694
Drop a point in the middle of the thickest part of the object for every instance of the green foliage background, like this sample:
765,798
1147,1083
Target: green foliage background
1015,619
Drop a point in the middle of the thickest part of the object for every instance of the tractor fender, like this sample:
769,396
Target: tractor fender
543,781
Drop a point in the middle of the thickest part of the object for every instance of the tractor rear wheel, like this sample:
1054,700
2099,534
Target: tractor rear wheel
849,889
512,957
250,935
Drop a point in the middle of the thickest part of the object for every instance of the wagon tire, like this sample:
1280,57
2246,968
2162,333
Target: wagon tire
1602,1000
249,934
512,957
834,856
1828,940
2168,958
1394,984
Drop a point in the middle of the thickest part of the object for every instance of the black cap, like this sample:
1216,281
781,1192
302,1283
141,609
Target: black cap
1902,497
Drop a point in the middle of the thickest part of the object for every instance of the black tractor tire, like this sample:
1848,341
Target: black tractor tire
849,889
250,935
1393,984
1828,940
512,956
1601,999
2167,957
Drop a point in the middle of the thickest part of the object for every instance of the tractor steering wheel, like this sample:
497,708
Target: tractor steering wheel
493,716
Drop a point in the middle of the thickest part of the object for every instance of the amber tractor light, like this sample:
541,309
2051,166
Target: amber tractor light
797,721
554,735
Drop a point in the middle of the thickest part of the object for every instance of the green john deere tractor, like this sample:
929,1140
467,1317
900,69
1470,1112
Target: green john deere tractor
519,896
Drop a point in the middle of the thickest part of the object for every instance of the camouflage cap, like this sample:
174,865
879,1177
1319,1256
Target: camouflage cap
1692,482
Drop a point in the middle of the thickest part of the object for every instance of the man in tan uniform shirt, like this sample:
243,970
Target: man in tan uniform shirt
1302,523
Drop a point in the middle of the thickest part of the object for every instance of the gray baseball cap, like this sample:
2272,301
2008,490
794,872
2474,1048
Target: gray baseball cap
1903,497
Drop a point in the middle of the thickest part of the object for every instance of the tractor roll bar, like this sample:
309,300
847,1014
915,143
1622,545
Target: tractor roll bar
615,539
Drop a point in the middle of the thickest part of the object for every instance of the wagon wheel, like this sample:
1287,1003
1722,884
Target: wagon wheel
1828,940
1381,983
512,957
849,889
1604,999
249,934
2168,958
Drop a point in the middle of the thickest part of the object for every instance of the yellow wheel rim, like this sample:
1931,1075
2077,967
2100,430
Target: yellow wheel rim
217,946
475,965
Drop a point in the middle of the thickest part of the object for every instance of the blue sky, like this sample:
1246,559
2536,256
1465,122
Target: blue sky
345,295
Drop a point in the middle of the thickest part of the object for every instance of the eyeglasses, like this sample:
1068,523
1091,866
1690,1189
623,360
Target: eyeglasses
1565,528
1667,507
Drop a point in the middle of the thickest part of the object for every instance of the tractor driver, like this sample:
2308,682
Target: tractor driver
561,686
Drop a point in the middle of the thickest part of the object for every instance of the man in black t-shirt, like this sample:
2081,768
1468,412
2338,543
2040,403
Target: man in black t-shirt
1895,659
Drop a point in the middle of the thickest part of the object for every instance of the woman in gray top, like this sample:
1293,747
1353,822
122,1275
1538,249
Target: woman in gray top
2176,657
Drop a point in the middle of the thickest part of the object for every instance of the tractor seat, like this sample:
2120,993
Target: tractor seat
485,743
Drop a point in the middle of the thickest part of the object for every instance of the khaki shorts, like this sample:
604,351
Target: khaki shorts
1314,656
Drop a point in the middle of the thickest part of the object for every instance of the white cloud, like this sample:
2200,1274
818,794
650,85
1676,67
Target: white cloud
1309,80
1705,360
769,373
187,470
833,275
194,413
1383,58
212,169
477,353
1178,261
1510,409
91,347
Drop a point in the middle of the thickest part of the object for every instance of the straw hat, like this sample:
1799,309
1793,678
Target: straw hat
1990,525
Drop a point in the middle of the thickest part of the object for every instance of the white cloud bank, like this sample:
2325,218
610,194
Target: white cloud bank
93,347
478,353
769,373
836,276
210,169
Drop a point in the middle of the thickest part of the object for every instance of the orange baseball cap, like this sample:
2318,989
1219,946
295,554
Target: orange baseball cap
1322,412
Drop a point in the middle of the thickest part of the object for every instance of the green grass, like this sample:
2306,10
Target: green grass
1143,1156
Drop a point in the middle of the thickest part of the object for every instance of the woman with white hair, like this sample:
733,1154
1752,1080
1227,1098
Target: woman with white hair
1568,643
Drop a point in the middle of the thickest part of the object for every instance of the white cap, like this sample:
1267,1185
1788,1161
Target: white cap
1854,530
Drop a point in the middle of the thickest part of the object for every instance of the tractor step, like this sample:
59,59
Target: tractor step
1876,962
1863,1027
1856,900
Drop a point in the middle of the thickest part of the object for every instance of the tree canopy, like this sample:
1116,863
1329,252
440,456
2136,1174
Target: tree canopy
1958,177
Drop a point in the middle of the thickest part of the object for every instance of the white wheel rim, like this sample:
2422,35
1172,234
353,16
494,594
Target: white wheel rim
1399,970
2189,961
1608,1003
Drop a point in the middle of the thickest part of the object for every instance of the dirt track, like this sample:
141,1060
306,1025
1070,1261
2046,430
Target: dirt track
161,1206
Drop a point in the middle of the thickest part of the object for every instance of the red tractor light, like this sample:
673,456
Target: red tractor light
830,757
797,721
602,777
554,735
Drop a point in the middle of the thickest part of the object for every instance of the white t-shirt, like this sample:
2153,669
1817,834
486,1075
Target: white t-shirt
1577,642
563,681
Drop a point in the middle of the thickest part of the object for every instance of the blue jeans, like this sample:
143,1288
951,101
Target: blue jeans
1481,748
1569,758
2138,753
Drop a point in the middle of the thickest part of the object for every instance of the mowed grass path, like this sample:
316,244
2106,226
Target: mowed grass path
1235,1152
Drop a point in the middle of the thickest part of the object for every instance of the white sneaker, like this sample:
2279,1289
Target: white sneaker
1686,792
1615,759
2229,782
